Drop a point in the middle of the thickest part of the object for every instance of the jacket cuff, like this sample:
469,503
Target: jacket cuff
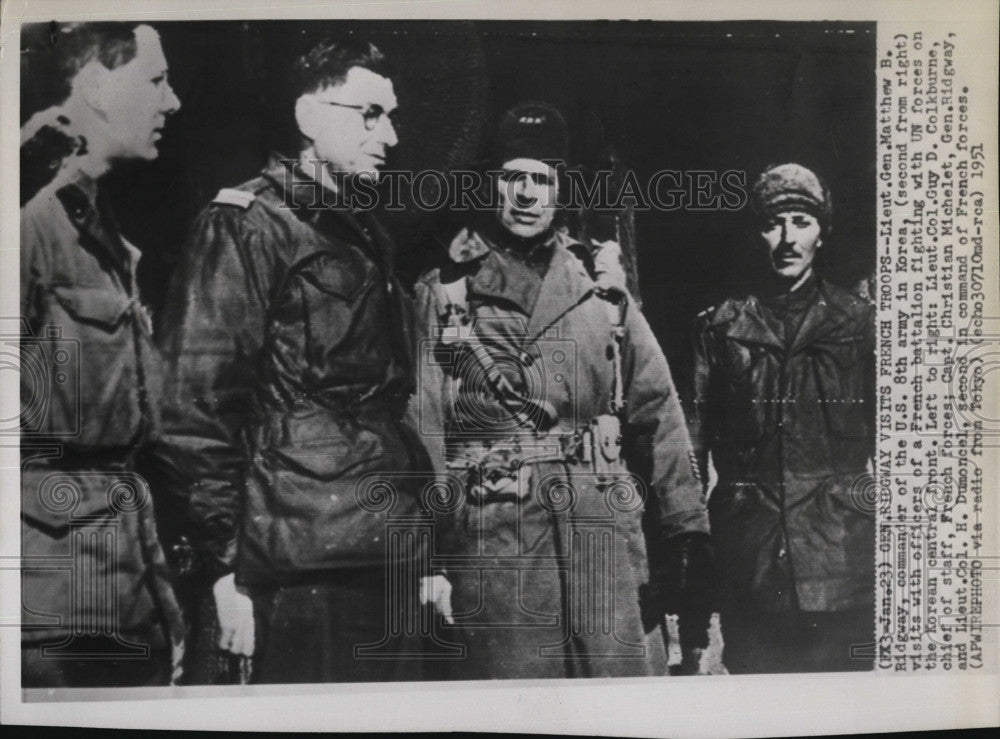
693,626
690,521
221,560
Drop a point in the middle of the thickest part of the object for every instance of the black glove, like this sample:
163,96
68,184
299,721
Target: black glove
681,582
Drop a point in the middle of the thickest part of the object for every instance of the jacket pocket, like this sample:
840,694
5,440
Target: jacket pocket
344,277
839,366
848,496
91,390
325,462
320,444
746,524
748,405
93,305
321,507
332,290
55,498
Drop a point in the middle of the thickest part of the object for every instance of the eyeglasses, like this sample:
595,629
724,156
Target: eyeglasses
521,176
370,114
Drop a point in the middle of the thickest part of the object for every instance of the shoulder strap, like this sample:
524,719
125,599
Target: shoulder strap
230,196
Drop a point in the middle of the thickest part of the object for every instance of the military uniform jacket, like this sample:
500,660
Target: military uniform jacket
88,372
288,346
790,428
552,342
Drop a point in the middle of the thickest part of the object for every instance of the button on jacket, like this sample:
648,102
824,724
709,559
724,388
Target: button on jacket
289,368
88,374
789,422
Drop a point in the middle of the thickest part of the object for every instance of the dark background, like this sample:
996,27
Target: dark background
682,96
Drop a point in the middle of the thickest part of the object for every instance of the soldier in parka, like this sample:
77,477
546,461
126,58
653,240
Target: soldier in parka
784,386
553,405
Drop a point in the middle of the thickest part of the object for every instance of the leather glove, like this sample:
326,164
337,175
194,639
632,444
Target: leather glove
681,582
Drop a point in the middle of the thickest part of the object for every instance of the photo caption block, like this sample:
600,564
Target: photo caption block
939,356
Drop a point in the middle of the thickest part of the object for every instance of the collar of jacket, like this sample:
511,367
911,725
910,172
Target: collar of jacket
533,251
302,193
829,312
565,285
79,194
782,301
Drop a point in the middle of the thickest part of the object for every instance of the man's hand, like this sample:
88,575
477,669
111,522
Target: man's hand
681,575
235,613
436,590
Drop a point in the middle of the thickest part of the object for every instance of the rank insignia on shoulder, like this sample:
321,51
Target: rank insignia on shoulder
707,313
239,198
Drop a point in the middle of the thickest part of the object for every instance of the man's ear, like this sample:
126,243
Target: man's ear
305,116
90,85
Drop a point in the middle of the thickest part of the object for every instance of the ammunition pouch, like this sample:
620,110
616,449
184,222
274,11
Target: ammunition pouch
601,447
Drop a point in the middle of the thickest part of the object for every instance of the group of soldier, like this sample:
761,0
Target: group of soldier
317,472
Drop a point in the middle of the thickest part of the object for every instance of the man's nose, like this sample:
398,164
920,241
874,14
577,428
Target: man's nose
524,195
171,103
524,190
784,235
386,132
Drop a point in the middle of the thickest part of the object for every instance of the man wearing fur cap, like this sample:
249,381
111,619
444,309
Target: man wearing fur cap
556,413
783,394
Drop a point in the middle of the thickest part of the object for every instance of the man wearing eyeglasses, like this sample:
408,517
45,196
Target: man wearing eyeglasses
287,337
